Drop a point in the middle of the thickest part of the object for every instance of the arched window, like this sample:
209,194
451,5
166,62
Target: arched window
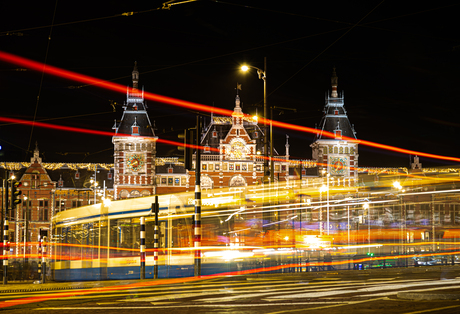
237,180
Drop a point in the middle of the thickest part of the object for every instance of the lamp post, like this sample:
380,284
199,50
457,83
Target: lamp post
263,76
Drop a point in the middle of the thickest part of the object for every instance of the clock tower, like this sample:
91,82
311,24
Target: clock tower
134,146
336,148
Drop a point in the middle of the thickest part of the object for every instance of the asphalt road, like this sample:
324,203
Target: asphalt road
419,290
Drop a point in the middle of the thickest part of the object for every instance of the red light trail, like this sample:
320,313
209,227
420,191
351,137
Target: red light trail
34,65
94,132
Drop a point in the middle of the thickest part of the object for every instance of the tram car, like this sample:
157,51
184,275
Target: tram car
101,241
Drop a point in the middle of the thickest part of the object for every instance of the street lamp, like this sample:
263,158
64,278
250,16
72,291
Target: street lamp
263,76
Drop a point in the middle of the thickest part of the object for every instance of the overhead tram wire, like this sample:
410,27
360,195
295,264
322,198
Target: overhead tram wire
188,105
325,49
124,14
366,25
42,76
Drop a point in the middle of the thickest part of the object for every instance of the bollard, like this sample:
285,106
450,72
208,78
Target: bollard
44,260
142,247
5,253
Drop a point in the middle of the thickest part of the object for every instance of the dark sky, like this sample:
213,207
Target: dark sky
397,65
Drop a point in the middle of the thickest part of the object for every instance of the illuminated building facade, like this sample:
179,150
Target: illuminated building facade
336,156
134,147
233,152
48,188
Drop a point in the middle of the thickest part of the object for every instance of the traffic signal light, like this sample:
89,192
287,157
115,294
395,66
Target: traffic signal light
16,194
188,136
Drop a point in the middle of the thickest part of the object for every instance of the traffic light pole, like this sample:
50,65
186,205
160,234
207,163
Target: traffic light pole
197,242
5,252
156,207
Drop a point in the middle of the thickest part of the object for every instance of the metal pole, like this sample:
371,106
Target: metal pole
142,247
44,260
433,238
156,208
265,124
369,228
39,259
348,223
272,162
327,204
5,252
26,236
197,242
3,207
320,212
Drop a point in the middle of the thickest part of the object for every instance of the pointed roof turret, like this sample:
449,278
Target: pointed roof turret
237,108
135,117
36,158
334,83
135,75
335,119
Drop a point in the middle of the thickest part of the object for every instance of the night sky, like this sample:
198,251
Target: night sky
397,65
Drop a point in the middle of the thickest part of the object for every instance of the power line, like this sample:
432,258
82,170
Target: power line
43,74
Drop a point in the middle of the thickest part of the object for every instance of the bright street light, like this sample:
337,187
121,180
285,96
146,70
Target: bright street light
263,76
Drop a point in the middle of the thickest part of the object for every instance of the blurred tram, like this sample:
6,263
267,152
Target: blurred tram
101,241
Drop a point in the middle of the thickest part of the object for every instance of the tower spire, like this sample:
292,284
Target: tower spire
334,83
135,74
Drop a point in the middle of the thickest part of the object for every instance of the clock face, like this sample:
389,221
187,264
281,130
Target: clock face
338,165
135,162
237,151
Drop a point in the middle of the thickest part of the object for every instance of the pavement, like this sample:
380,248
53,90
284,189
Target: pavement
436,272
31,286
